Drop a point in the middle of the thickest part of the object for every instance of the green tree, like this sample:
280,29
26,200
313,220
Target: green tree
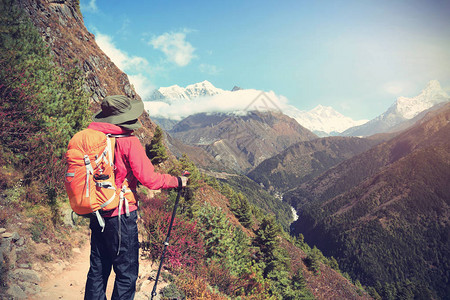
266,240
299,286
226,190
223,241
156,150
313,260
187,201
241,208
332,262
298,280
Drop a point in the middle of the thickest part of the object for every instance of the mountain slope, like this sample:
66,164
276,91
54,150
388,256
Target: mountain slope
384,214
403,110
241,142
306,160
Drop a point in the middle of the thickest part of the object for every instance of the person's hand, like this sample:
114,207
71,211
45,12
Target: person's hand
184,181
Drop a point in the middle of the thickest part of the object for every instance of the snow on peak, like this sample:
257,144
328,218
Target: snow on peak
326,119
201,89
325,111
408,108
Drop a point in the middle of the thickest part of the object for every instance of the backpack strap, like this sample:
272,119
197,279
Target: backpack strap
100,219
123,200
119,135
89,171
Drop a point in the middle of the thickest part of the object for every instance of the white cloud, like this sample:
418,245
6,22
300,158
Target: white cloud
238,102
175,47
209,69
123,61
142,85
90,7
137,68
243,101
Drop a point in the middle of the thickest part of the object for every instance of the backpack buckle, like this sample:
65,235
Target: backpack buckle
86,160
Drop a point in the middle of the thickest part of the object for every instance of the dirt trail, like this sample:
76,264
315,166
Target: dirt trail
68,283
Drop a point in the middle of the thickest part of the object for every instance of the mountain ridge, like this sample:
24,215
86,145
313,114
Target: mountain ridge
241,142
402,110
379,212
306,160
200,89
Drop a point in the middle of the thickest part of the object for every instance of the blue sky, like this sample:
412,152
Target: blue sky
355,56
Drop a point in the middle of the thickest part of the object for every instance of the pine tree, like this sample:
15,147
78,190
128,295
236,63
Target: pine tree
227,191
313,260
266,240
298,280
156,150
223,241
241,208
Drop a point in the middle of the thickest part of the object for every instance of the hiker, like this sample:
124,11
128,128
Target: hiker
116,245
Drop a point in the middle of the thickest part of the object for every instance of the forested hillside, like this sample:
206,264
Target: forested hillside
384,214
306,160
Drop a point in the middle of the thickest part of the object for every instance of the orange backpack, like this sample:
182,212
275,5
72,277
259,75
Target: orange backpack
90,180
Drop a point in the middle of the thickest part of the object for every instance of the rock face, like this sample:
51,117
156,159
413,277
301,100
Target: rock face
22,280
62,27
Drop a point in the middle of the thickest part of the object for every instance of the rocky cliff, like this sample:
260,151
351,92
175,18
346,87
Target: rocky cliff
61,25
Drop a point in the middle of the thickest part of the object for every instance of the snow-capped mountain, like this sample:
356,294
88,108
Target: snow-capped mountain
176,103
192,91
402,110
324,120
408,108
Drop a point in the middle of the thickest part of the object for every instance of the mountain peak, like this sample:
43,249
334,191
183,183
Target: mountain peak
203,84
325,120
431,95
432,89
403,110
200,89
325,111
433,84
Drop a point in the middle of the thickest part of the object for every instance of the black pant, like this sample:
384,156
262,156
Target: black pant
104,247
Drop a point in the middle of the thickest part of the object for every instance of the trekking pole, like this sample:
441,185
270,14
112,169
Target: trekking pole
166,242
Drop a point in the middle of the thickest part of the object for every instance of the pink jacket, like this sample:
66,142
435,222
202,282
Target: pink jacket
132,163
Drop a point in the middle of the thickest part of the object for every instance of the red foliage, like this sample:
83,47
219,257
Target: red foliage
185,250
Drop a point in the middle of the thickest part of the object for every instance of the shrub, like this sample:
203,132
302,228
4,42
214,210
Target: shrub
172,292
185,246
195,287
